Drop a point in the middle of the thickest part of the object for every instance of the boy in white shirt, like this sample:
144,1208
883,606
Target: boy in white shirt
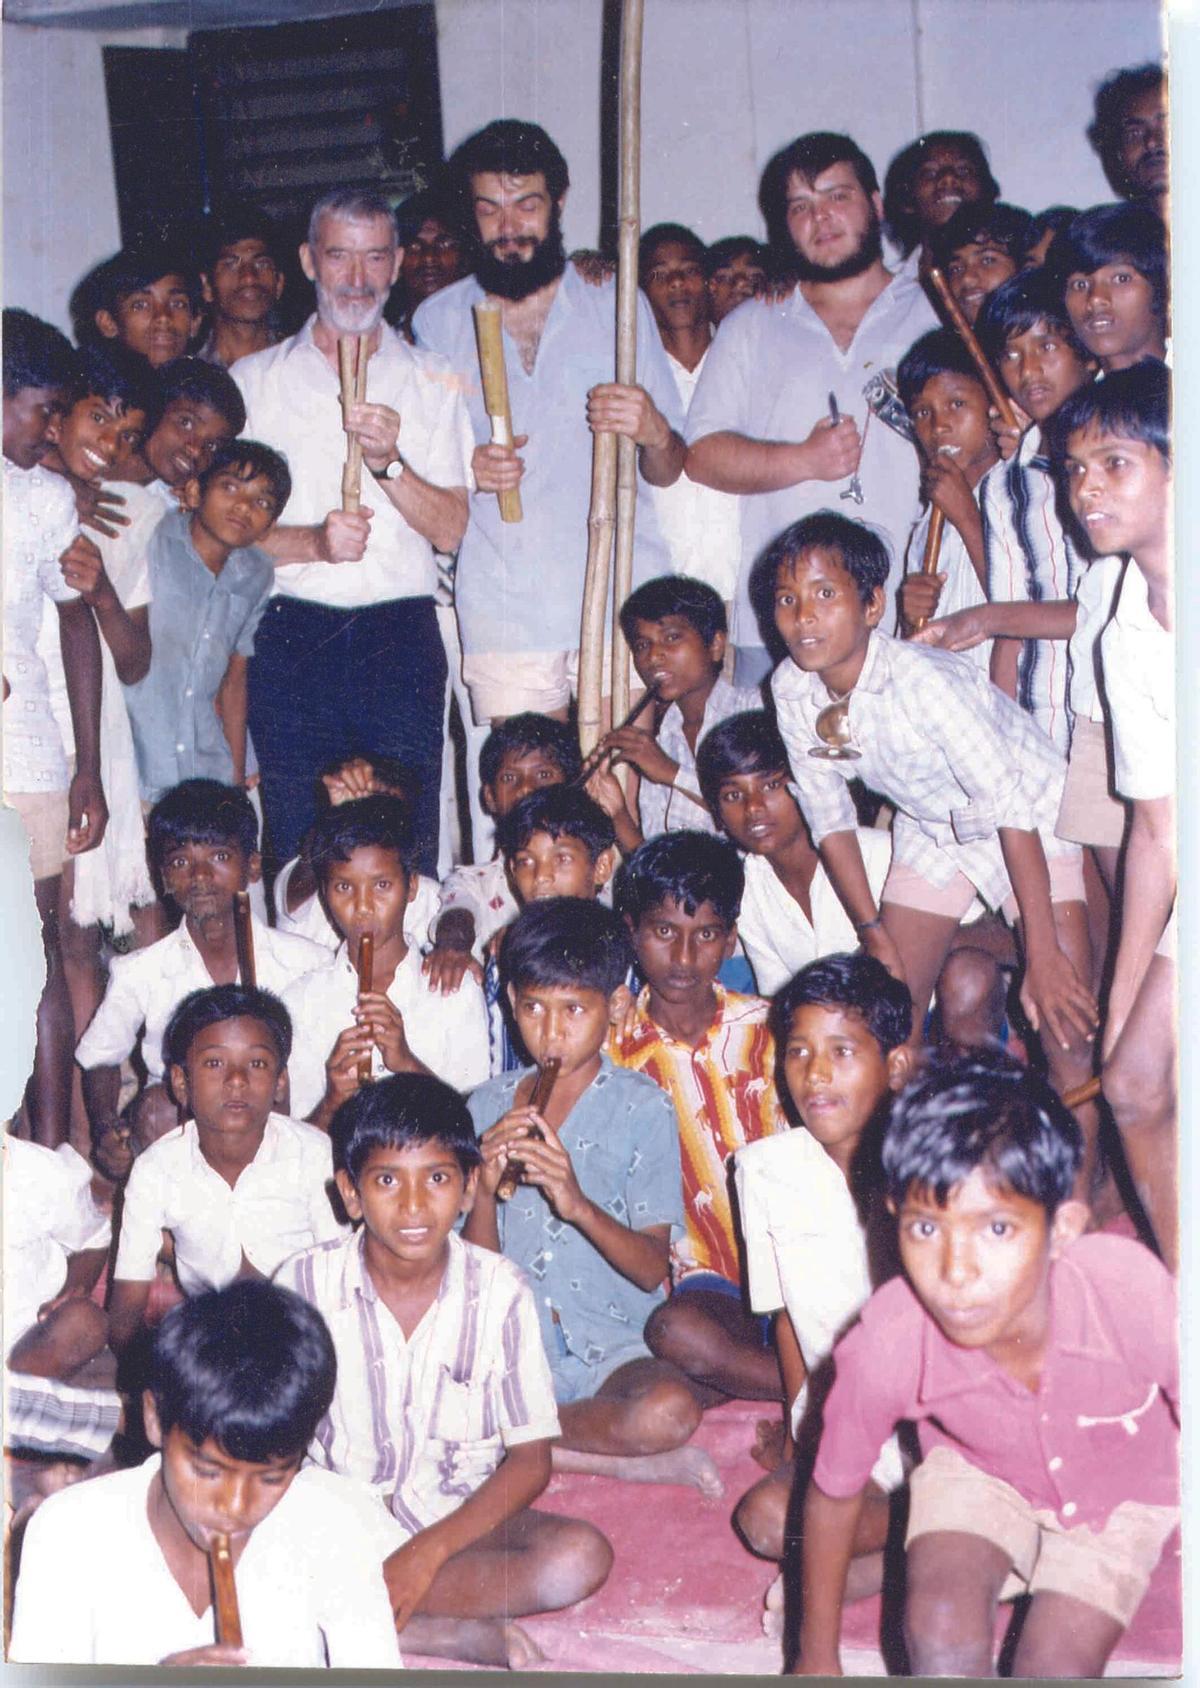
240,1187
818,1240
363,857
203,844
116,1571
55,1244
444,1410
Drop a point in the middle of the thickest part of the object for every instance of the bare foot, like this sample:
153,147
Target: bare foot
477,1641
770,1436
772,1617
688,1465
523,1651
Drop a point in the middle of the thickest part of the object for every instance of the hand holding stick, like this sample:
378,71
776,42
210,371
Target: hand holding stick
225,1601
995,392
933,544
490,341
352,373
366,970
593,760
243,936
539,1099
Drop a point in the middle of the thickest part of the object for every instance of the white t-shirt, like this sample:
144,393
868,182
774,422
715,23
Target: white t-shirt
39,524
49,1215
310,920
278,1206
1137,654
449,1034
702,527
1094,598
95,1589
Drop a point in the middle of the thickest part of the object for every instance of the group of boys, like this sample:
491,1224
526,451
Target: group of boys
415,1193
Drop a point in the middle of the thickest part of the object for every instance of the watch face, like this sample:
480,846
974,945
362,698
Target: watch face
394,469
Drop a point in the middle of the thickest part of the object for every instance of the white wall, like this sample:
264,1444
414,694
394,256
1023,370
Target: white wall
60,199
727,82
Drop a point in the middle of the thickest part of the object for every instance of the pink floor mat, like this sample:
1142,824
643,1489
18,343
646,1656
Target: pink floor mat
685,1596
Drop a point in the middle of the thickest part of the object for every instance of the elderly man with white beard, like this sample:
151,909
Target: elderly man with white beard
348,658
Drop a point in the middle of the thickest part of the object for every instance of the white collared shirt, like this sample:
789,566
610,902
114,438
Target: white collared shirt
95,1589
805,1251
425,1420
292,403
670,808
1137,654
278,1206
482,889
149,985
49,1215
702,527
449,1034
310,920
1095,597
778,940
39,523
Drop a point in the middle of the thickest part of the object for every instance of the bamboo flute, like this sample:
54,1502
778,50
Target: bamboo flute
539,1099
227,1618
366,972
594,757
966,333
489,338
629,198
243,937
352,375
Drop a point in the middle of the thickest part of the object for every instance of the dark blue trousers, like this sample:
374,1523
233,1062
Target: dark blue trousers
328,683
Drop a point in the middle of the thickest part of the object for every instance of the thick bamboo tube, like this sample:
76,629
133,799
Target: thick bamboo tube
595,588
629,201
489,338
966,333
352,375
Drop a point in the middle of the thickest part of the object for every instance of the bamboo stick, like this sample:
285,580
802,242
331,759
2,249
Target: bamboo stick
595,588
987,374
933,545
489,338
629,197
226,1615
366,972
352,376
243,937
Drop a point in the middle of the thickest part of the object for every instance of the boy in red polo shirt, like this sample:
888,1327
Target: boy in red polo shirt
1042,1368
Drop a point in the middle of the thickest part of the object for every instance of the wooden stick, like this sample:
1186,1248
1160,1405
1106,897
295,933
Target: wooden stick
243,937
225,1601
933,544
987,374
352,375
366,971
539,1099
489,338
594,758
1086,1092
629,198
595,587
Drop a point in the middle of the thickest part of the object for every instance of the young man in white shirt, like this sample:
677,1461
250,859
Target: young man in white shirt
363,857
241,1186
116,1571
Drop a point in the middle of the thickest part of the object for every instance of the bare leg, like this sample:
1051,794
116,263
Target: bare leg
72,1335
1139,1087
535,1562
954,1582
924,942
1074,1064
86,979
1097,893
714,1341
48,1093
1063,1636
634,1427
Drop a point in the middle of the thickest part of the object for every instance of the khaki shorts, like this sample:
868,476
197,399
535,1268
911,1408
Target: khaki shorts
908,889
45,816
503,683
1109,1569
1089,814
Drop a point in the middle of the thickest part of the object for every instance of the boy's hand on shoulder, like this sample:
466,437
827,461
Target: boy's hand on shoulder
949,491
377,1014
640,748
99,507
217,1653
1055,998
446,968
919,594
962,630
410,1571
342,537
549,1166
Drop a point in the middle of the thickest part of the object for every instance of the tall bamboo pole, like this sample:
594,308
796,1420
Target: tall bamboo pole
627,297
605,451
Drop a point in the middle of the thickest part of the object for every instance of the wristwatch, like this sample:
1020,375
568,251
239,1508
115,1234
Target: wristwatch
391,471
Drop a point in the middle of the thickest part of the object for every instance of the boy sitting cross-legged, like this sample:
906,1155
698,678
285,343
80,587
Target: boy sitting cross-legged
241,1186
676,630
202,844
598,1198
1042,1370
523,754
712,1052
817,1236
975,785
115,1571
444,1337
363,856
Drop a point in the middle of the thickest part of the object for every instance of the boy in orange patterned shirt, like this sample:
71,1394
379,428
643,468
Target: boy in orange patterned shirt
711,1050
